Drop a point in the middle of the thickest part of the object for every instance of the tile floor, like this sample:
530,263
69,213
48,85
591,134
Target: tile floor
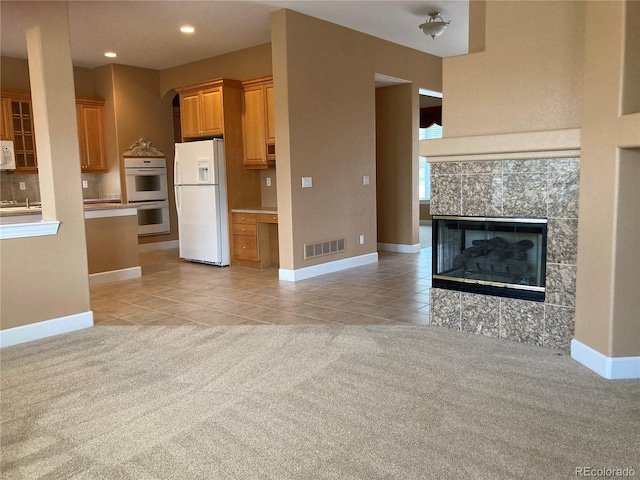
172,291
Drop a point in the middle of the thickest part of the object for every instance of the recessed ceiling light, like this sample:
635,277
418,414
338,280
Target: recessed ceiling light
187,29
110,54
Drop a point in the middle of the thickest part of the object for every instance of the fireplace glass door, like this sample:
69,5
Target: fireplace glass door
500,256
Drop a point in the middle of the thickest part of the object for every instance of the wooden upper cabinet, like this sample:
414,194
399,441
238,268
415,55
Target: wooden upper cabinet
202,108
253,127
212,123
6,132
190,113
271,117
90,115
16,123
19,117
258,124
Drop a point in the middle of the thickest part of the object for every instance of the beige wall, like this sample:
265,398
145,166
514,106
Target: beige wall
425,211
625,335
325,119
396,170
243,64
477,25
631,76
269,194
14,76
529,76
52,269
608,247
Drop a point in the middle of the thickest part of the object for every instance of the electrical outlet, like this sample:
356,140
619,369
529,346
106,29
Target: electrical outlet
361,239
85,184
268,181
307,182
365,180
23,186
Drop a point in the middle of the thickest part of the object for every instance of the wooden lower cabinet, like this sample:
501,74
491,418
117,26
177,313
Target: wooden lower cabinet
245,247
255,239
245,239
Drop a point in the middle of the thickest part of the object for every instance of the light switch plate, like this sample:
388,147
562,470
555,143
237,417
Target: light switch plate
365,180
361,239
307,182
268,181
23,186
85,184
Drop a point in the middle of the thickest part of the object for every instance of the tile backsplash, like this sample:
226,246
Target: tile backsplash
10,184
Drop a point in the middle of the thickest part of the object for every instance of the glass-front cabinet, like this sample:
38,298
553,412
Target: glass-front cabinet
16,125
24,143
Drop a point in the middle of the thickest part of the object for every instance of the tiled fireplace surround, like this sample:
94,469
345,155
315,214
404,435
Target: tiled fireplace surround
545,187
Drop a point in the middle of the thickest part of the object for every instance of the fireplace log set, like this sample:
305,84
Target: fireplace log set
496,257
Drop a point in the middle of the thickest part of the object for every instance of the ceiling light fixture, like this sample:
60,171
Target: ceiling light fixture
435,25
187,29
110,54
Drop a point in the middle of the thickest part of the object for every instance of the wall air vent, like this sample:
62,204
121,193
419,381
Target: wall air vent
325,247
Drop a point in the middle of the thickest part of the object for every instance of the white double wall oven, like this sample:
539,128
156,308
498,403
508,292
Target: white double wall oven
146,187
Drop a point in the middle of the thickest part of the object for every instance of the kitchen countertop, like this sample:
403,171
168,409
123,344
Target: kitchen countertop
22,211
267,210
107,206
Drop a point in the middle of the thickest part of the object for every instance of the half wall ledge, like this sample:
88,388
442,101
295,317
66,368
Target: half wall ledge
505,146
29,229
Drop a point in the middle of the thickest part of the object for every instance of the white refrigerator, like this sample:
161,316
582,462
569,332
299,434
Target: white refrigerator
201,201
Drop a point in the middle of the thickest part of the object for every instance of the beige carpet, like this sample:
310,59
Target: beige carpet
306,402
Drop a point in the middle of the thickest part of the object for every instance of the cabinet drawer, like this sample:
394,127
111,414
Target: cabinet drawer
244,229
245,247
248,218
266,218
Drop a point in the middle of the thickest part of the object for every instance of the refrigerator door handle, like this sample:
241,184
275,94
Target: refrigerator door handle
178,193
176,171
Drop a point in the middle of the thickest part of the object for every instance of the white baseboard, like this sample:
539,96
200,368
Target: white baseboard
47,328
115,275
399,248
151,247
612,368
329,267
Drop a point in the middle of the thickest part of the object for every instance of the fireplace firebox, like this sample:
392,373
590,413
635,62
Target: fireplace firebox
500,256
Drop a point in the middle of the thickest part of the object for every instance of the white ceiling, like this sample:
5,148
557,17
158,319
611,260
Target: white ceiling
145,33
